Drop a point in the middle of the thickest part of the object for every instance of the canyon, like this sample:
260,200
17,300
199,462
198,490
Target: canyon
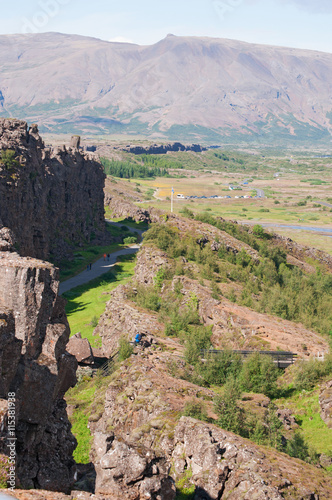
143,445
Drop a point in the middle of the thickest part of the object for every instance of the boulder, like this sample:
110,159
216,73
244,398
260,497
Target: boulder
287,418
125,471
81,349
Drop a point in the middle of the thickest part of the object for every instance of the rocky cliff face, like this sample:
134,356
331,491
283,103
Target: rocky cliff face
35,366
121,208
50,198
302,252
141,447
233,326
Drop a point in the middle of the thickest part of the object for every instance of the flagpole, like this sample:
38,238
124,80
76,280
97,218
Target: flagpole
172,200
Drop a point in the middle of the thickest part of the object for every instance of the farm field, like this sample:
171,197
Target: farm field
292,189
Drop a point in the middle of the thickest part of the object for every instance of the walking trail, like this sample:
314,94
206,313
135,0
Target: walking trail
100,267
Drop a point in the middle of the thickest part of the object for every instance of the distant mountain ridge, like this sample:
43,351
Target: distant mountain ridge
181,88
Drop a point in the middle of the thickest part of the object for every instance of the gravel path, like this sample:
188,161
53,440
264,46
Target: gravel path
100,267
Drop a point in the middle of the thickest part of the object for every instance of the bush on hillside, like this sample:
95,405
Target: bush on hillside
259,374
195,409
125,349
310,372
218,368
231,416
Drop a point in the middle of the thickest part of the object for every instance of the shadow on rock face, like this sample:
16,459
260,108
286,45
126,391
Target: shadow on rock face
86,478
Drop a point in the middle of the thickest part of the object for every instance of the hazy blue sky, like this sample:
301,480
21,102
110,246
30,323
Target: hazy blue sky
293,23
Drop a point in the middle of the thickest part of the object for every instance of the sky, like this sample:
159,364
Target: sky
302,24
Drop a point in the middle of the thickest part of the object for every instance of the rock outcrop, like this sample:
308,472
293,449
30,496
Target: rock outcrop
325,402
141,444
35,367
122,208
233,326
150,260
209,235
123,318
302,252
224,465
49,198
239,327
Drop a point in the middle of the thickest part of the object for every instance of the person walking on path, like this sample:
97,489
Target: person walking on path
104,256
108,257
90,266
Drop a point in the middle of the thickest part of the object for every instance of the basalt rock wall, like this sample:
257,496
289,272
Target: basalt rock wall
35,366
50,198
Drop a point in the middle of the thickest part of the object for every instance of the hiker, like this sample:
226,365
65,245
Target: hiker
90,266
108,256
104,256
87,267
138,338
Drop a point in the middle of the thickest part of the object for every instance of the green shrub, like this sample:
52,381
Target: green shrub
94,321
231,417
197,339
297,447
195,409
218,368
310,372
160,277
186,212
125,349
147,297
129,240
259,374
162,235
4,471
179,321
8,159
258,231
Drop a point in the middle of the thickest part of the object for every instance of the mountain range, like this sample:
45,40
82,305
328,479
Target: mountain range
181,88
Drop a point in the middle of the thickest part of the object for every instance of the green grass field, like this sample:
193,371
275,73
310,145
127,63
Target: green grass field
86,303
81,396
305,406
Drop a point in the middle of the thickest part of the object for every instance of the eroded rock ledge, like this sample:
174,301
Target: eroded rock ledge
141,447
35,366
50,198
